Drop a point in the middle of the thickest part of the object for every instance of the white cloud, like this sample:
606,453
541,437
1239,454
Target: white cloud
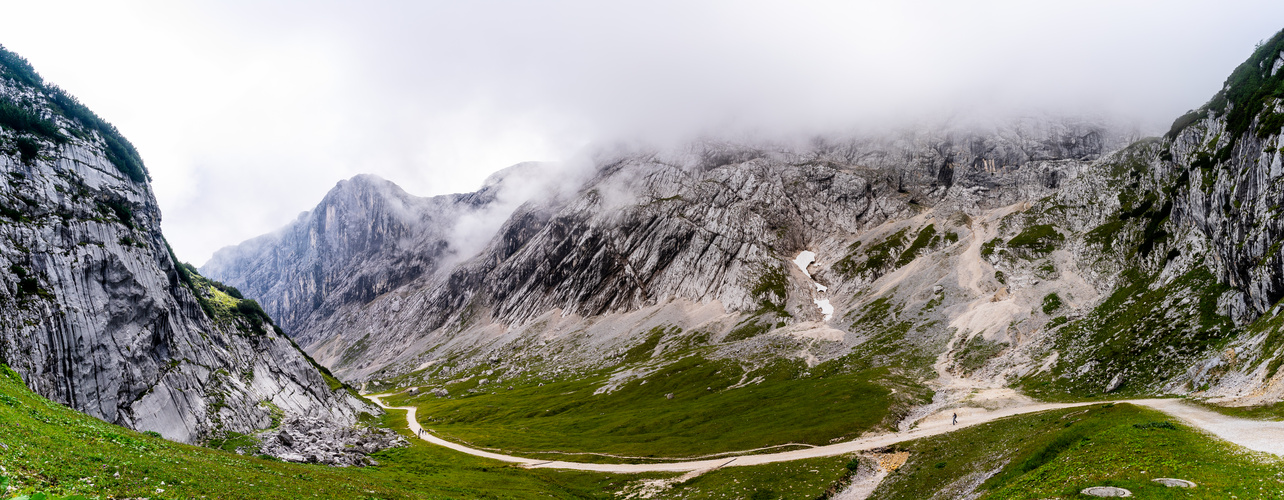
248,112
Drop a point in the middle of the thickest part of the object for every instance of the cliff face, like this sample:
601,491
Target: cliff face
365,238
1229,150
98,316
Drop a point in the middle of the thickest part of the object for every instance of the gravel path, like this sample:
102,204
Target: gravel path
1247,433
1255,435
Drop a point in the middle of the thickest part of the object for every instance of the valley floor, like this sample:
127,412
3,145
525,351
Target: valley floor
1256,435
1042,450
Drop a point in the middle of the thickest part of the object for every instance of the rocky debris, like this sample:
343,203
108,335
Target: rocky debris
311,440
1174,483
440,392
1106,491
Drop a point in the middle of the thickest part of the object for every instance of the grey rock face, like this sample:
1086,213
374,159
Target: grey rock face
365,238
1228,153
709,223
1236,204
97,316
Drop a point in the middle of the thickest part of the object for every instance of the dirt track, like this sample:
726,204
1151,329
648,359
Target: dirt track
1252,434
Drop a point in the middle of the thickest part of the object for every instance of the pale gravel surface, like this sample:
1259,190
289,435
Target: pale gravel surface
1252,434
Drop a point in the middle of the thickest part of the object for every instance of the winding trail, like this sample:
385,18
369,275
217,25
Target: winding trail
1257,435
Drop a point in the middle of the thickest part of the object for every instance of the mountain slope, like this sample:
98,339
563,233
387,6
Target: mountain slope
1052,256
98,313
716,224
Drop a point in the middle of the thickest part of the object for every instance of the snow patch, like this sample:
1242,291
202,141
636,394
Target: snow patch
804,259
825,307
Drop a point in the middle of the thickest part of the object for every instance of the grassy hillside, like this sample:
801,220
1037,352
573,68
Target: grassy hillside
1056,454
686,407
49,448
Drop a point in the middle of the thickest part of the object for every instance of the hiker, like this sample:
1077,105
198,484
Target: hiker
956,419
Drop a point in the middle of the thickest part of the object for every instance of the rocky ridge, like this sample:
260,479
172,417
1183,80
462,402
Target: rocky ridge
1057,256
711,228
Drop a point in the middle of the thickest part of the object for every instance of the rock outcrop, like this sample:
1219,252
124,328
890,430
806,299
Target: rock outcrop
97,312
309,440
1227,157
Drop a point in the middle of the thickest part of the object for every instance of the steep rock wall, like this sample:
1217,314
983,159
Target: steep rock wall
96,313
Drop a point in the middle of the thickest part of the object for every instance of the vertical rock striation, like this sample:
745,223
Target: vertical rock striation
97,313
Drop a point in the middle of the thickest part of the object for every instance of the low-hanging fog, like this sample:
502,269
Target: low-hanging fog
248,112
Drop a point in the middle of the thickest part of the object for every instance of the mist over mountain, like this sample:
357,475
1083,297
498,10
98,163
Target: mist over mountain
1025,235
646,227
936,295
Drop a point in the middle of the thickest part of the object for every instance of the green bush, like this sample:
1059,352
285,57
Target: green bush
120,151
25,121
1039,239
16,67
1249,88
13,116
987,248
923,240
1051,303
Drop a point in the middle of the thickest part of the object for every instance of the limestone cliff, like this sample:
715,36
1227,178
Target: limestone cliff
97,312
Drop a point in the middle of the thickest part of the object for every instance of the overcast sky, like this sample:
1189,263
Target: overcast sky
246,113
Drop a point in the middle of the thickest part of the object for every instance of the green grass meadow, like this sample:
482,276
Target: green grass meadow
706,414
48,448
1056,454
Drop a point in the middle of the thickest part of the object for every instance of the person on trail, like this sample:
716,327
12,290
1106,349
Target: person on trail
956,419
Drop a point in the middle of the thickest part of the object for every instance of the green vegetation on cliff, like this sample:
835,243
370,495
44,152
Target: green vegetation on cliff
1136,336
25,118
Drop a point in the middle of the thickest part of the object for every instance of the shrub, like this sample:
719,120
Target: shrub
1039,239
25,121
921,241
16,67
119,150
1051,303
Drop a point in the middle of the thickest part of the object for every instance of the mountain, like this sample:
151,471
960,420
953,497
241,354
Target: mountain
661,306
1062,258
100,315
696,238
